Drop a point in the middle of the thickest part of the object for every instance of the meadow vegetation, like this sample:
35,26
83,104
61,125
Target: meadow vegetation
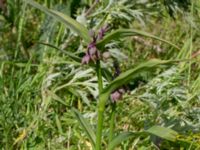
100,74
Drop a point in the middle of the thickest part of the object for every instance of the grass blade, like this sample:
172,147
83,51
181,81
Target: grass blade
68,21
122,137
86,126
121,33
163,132
71,55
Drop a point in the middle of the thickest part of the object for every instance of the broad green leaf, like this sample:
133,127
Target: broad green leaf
86,126
163,132
122,137
125,77
121,33
68,21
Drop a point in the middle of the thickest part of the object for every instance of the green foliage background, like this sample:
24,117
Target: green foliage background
39,84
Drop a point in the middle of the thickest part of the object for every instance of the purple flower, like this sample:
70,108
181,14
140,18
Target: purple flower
92,44
102,32
115,96
92,53
85,59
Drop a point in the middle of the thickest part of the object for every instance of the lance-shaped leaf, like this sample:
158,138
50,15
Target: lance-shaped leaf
129,75
121,33
123,137
71,55
86,126
68,21
165,133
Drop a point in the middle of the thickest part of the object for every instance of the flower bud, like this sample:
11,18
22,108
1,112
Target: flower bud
115,96
85,59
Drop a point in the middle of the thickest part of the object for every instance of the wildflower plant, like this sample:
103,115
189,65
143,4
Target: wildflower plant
92,53
95,43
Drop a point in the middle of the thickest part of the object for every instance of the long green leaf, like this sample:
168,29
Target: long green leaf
86,126
159,131
68,21
71,55
121,33
163,132
122,137
125,77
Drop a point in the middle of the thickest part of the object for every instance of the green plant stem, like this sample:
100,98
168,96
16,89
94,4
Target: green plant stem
100,111
112,122
99,128
99,76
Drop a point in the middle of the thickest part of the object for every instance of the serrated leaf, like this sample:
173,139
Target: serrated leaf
86,126
68,21
165,133
121,33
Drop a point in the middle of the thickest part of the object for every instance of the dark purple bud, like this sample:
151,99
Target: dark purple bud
100,35
91,45
117,69
102,32
85,59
